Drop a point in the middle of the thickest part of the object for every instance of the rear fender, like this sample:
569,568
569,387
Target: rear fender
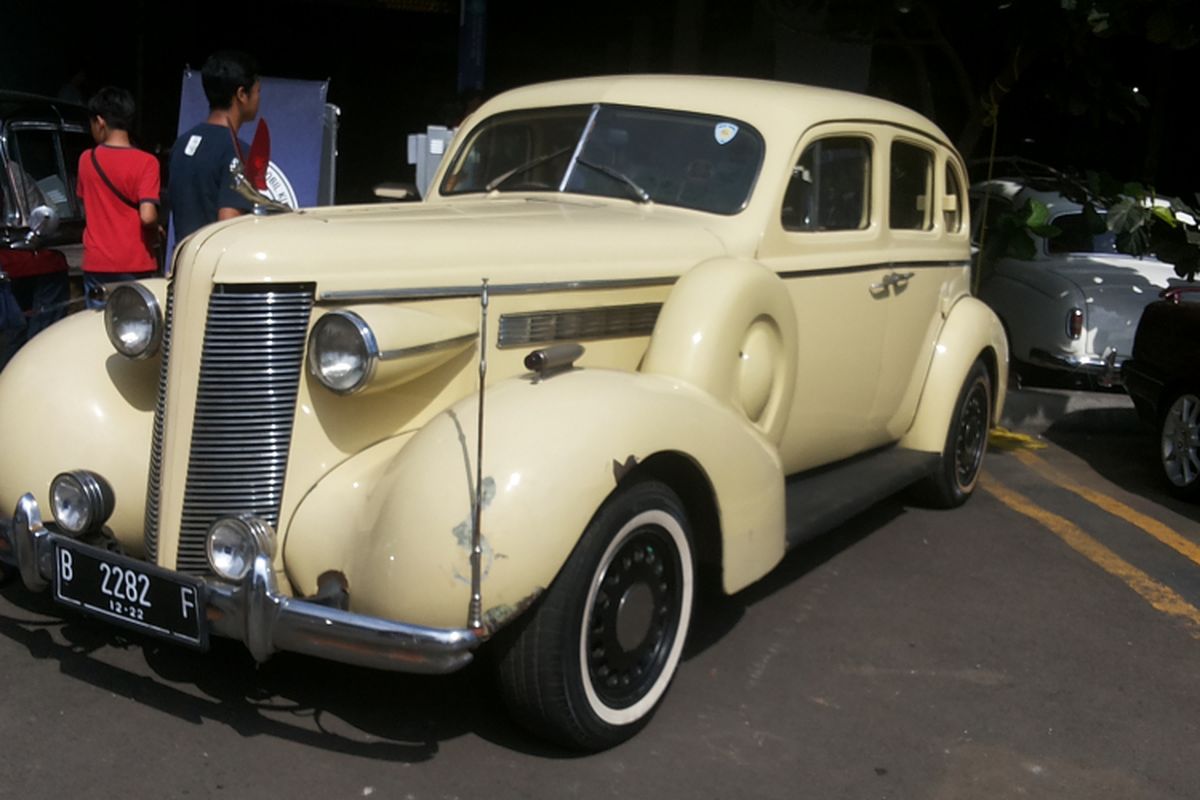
396,519
971,331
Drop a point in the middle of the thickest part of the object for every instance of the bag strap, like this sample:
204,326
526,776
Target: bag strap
109,184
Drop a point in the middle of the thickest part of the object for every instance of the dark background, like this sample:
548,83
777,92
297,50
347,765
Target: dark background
1066,96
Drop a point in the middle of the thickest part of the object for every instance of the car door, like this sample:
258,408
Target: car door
824,242
928,251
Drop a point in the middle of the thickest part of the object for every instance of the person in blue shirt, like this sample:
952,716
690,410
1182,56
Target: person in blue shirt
200,188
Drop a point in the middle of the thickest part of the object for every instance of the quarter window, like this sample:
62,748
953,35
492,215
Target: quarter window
952,214
830,188
911,204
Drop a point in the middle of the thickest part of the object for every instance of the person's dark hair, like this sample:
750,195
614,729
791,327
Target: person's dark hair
115,105
224,73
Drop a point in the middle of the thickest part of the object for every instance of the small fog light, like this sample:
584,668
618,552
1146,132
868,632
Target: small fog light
234,542
82,501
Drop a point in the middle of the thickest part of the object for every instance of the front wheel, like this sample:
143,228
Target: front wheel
591,663
1179,439
957,472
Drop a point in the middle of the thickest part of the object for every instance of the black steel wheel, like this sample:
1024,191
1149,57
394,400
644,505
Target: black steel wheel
594,658
957,473
1179,444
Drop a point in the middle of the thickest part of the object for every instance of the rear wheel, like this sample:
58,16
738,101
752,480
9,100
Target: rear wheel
957,472
594,658
1179,451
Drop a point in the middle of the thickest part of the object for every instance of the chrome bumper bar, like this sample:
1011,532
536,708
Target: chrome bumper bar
257,614
1106,369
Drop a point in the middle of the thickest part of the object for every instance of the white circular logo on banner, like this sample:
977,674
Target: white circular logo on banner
279,188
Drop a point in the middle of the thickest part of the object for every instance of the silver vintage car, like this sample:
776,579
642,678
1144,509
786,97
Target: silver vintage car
1071,311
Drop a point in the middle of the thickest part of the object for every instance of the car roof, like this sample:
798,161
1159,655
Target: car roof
1017,192
775,108
35,107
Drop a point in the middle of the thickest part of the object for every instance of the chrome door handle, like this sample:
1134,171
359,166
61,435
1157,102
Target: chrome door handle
889,280
883,285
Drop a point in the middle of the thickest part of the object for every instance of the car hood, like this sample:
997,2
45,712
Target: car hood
459,243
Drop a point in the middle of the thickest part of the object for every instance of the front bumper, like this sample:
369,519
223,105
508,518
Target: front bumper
257,614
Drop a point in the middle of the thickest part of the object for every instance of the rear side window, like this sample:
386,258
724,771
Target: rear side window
830,187
911,203
952,214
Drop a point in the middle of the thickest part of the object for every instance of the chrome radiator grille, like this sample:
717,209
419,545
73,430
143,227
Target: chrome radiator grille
245,405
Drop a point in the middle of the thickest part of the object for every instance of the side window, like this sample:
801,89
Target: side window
984,223
952,214
911,197
830,188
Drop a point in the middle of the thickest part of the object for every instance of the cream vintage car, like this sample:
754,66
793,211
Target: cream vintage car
642,328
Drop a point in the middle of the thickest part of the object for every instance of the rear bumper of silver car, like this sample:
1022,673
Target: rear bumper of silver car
256,613
1104,370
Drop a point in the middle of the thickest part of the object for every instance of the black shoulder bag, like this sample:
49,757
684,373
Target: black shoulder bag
109,184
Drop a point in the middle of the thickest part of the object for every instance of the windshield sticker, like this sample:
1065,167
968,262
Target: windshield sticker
724,132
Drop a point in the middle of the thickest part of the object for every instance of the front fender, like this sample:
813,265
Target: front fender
396,519
971,331
69,401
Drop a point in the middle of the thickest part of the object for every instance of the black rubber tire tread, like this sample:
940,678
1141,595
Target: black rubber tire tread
941,488
537,655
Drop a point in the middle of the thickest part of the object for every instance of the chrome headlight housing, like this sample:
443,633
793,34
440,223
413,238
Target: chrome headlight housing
134,321
81,501
342,352
234,542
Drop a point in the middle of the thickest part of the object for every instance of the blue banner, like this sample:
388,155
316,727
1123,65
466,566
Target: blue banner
295,113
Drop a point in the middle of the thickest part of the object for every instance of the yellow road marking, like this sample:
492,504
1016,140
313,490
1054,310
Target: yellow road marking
1160,596
1005,440
1158,530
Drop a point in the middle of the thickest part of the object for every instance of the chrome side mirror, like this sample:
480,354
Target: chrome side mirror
43,222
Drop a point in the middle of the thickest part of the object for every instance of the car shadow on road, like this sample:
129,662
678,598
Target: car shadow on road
341,708
313,703
717,614
1120,448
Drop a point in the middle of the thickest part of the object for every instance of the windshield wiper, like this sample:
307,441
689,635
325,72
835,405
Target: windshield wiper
528,165
642,195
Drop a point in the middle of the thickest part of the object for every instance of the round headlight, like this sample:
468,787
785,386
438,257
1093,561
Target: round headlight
133,321
81,501
233,543
342,352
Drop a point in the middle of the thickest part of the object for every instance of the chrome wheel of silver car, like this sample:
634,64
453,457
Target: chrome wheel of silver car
1180,443
594,658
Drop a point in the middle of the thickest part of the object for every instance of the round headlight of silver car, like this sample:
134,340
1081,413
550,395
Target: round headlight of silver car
81,501
342,352
133,321
233,543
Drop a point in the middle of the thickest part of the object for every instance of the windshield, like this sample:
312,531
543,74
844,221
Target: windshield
1077,237
674,158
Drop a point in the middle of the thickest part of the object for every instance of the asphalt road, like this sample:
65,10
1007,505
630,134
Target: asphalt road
1040,642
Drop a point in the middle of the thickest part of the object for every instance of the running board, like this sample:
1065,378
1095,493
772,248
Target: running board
821,499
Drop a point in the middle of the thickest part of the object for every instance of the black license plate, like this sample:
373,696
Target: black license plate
139,595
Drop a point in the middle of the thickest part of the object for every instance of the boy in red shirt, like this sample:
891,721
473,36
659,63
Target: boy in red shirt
119,186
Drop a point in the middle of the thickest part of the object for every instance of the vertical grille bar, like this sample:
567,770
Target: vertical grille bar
250,371
154,482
